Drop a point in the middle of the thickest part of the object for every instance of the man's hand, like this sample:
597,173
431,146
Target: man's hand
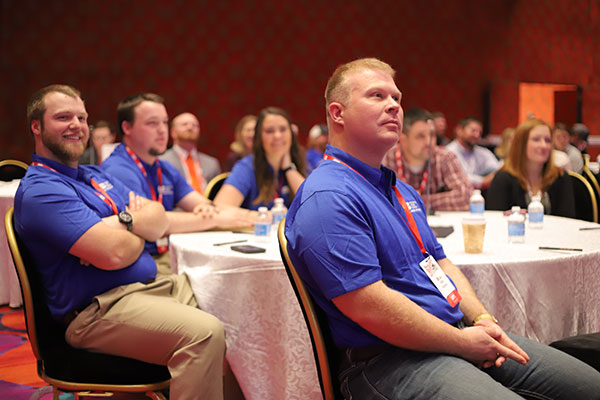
487,345
206,210
136,202
494,330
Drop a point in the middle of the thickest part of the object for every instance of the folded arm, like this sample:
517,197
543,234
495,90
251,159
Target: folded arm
108,245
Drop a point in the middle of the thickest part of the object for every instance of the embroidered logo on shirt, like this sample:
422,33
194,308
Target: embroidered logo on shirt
166,190
413,206
106,185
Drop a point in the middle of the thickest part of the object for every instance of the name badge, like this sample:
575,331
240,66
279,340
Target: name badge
162,245
440,280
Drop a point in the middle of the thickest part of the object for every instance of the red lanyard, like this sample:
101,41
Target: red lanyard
143,170
401,172
103,195
410,221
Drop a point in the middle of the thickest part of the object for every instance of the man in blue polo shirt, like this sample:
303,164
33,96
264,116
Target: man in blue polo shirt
398,309
143,124
86,233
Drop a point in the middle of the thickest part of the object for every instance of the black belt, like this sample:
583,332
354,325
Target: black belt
368,352
364,353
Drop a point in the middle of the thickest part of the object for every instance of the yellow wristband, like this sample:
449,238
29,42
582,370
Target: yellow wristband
485,316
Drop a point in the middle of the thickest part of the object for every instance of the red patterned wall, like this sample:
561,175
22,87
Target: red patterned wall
223,59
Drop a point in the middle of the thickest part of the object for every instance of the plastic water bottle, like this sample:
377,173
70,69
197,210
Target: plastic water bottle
262,225
516,226
535,212
477,202
278,212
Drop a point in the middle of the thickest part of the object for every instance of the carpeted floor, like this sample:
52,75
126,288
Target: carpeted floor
18,377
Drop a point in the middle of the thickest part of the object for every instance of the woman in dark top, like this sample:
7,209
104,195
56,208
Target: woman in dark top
528,171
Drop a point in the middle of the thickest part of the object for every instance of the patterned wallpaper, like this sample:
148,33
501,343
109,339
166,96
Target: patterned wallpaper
224,59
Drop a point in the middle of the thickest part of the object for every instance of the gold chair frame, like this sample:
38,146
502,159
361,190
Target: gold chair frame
591,193
16,163
214,182
79,389
312,321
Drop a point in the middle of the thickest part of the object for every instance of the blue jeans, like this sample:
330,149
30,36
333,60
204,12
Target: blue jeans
405,374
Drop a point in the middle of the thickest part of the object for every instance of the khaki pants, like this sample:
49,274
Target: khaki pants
163,263
157,323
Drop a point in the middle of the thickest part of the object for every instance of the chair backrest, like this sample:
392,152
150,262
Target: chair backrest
324,348
58,362
592,179
12,169
37,314
214,185
586,205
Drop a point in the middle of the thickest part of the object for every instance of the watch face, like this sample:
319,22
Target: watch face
125,217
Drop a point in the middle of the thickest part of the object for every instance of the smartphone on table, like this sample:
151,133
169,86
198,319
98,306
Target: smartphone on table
247,249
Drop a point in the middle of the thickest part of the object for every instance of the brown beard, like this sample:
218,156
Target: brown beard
187,136
64,152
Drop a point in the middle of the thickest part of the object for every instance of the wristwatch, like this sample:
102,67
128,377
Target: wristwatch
291,167
485,316
126,219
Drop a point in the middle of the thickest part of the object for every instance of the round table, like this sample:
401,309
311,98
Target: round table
541,294
268,345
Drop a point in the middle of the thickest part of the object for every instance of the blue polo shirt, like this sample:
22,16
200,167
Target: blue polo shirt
346,231
313,159
174,187
243,179
52,211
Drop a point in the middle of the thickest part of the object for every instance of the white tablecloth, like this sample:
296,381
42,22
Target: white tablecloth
10,291
542,294
268,346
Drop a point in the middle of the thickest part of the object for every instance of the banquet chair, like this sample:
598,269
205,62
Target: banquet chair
583,347
65,368
592,179
325,351
12,169
586,206
214,185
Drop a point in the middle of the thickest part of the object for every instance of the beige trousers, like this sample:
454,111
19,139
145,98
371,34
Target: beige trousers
163,264
157,323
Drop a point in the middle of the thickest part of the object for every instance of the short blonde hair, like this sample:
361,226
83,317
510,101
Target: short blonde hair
337,90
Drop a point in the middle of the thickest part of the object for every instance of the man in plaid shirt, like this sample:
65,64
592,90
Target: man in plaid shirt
449,187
